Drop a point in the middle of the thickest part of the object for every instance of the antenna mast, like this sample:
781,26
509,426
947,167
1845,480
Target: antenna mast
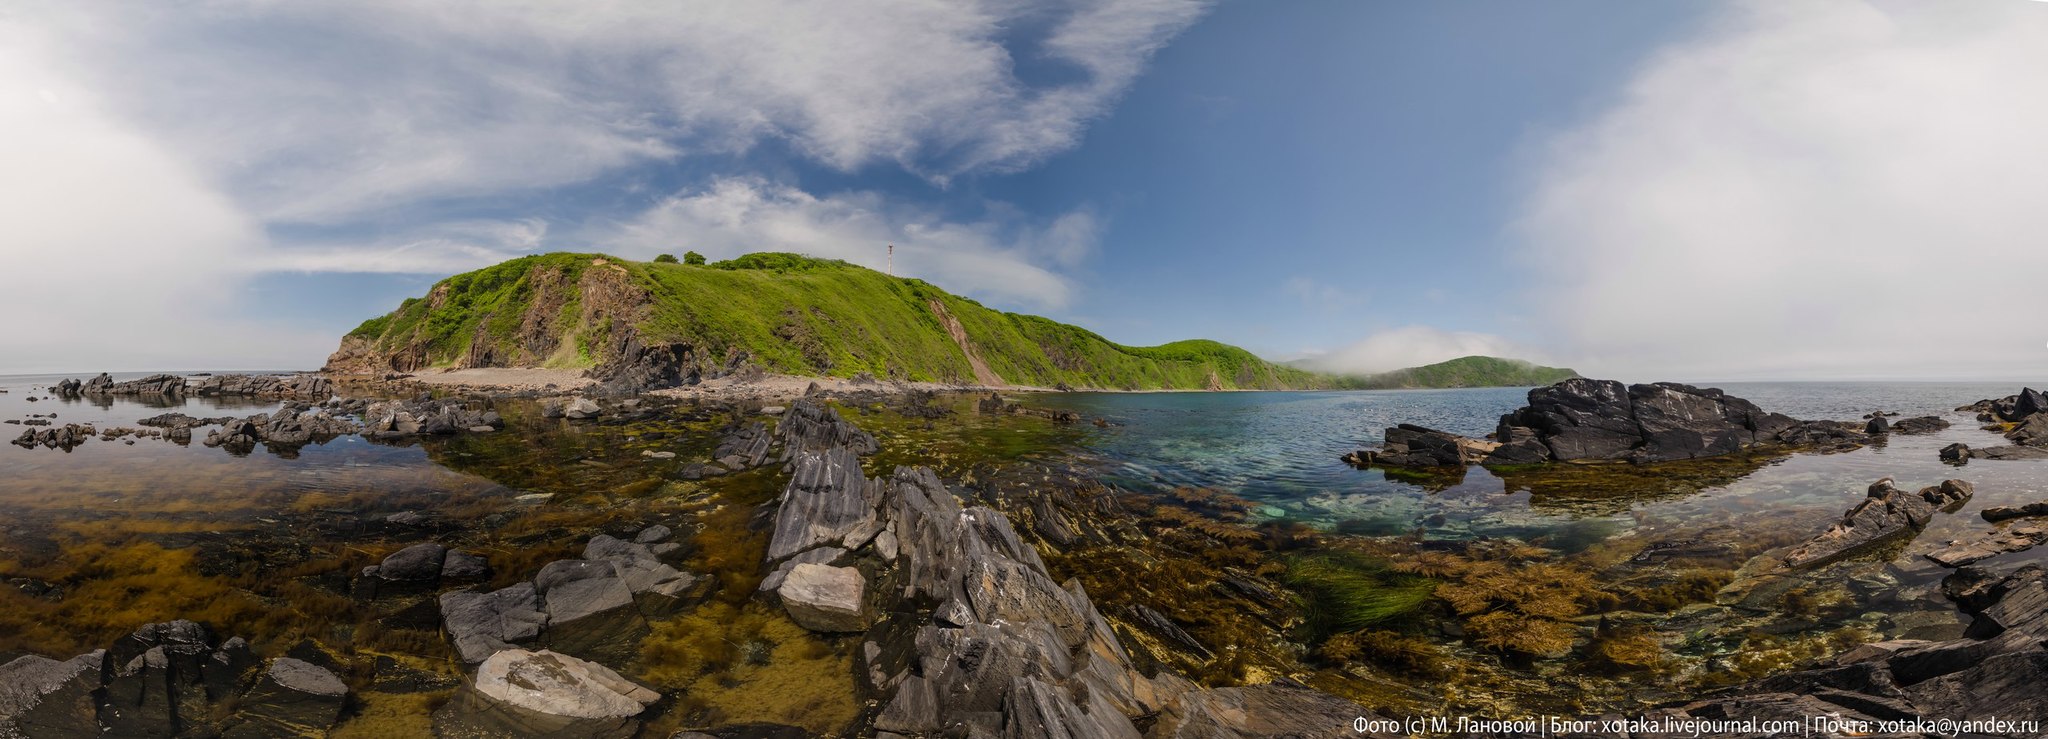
892,260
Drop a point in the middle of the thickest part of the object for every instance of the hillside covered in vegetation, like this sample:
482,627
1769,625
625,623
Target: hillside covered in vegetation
1465,372
781,312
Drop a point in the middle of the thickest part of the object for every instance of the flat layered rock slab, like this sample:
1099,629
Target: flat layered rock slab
2017,537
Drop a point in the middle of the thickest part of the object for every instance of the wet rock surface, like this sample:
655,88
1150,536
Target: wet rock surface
1995,670
1886,513
1584,420
974,636
168,679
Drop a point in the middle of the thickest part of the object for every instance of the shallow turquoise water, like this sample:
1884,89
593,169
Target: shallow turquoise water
1283,450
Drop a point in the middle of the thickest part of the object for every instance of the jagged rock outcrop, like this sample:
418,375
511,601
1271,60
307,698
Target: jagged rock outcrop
104,384
633,367
972,636
1886,512
1583,420
66,437
309,387
289,428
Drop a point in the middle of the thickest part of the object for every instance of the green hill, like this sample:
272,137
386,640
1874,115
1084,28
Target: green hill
788,314
1465,372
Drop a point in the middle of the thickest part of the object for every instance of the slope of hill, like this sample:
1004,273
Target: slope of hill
1466,372
783,312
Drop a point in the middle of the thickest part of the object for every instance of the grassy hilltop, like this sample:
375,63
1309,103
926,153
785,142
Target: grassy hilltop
789,313
1472,371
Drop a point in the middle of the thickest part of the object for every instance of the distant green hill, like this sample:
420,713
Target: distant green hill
1465,372
790,314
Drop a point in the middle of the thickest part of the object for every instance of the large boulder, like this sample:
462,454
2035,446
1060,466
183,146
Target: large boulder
544,694
1602,420
483,624
591,610
825,598
420,568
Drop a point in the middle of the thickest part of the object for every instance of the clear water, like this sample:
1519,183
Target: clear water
1282,450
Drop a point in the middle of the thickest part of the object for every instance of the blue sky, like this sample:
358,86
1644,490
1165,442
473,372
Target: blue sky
1677,190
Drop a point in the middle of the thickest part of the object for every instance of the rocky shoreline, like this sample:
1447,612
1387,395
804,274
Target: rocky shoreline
957,627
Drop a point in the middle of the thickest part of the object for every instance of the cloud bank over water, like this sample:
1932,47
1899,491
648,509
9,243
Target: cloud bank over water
1815,189
1414,346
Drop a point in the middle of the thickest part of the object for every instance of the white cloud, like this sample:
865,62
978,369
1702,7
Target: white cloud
115,247
1814,189
152,150
1413,346
319,111
994,258
439,248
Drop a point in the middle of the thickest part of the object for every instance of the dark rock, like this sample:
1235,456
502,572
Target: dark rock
745,447
420,568
293,698
1957,453
634,367
1408,445
1995,514
2031,431
43,697
1592,420
1920,425
591,610
2029,402
2017,537
1877,425
1885,513
483,624
2010,452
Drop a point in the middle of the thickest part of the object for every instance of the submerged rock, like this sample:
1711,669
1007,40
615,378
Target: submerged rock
1996,669
2017,537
